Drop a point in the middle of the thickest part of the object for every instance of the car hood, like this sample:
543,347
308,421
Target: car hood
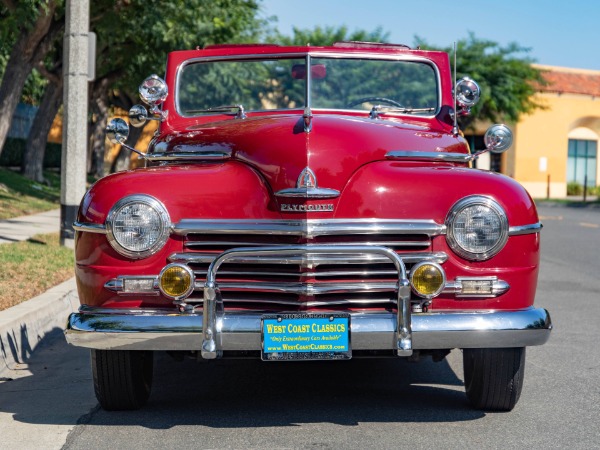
336,147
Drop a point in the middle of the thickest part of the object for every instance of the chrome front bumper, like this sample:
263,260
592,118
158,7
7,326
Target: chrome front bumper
116,329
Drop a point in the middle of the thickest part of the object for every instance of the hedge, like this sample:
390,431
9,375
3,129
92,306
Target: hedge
12,154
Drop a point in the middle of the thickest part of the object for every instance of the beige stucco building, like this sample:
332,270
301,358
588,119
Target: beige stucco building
558,144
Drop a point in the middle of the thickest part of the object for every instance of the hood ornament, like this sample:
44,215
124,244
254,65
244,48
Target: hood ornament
307,187
307,117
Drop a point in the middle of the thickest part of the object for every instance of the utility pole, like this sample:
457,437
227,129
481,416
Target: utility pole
75,104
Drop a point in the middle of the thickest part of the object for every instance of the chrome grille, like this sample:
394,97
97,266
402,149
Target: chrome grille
297,282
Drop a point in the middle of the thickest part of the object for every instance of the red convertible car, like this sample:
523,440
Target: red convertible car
307,203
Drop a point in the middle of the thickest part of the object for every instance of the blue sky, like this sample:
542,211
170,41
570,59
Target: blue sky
559,32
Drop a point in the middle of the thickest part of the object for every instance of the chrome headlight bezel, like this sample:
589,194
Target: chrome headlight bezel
163,232
469,202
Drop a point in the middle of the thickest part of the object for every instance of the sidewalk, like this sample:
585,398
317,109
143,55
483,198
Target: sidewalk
23,326
24,227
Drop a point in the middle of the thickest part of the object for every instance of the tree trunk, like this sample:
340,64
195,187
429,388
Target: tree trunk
123,159
31,47
33,157
97,135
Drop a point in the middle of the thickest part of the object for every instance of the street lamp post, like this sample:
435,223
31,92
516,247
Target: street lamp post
75,103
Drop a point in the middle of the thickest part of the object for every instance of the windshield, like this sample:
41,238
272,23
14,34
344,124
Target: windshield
408,87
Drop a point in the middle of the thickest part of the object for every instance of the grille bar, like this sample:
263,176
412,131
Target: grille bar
313,259
308,228
358,302
229,244
307,289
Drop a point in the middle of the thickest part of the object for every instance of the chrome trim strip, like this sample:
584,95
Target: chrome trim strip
89,227
115,285
416,155
193,244
307,289
304,192
525,229
310,260
357,303
195,156
168,330
308,228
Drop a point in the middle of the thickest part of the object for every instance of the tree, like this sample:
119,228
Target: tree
507,79
133,41
133,37
321,36
33,26
35,148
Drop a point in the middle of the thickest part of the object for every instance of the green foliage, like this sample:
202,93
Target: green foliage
322,36
12,154
12,23
574,188
505,75
135,36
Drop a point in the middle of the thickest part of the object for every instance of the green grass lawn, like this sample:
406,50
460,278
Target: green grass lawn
20,196
31,267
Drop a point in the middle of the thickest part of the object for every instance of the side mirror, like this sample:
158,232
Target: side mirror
117,131
498,138
138,115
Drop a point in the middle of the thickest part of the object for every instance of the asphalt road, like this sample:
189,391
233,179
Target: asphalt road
355,404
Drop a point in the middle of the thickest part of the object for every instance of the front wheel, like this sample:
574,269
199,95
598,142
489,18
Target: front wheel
494,377
122,378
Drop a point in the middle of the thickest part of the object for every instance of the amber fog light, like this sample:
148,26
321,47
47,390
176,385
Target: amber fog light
176,281
427,279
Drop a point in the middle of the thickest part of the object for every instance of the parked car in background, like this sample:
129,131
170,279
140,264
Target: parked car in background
307,203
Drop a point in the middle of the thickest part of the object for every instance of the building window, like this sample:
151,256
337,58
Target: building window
581,164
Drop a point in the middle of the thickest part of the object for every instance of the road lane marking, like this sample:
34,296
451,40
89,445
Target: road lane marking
589,225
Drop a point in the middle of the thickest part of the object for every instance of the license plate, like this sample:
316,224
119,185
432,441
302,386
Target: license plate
295,336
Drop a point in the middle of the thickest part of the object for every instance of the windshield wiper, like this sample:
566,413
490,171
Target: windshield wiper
382,109
237,110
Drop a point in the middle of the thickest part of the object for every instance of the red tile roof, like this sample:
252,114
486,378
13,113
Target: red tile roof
565,81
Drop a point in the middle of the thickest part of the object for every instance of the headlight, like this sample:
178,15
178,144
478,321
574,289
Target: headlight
477,228
138,226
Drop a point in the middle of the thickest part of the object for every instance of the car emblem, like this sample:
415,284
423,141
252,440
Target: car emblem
307,179
307,187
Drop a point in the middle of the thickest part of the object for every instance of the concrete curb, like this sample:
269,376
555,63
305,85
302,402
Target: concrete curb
23,326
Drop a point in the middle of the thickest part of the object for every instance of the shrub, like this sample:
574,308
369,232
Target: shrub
12,154
574,188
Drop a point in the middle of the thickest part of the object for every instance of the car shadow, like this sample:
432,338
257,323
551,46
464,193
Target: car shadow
250,393
241,393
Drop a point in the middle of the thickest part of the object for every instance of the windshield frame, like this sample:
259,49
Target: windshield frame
307,57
